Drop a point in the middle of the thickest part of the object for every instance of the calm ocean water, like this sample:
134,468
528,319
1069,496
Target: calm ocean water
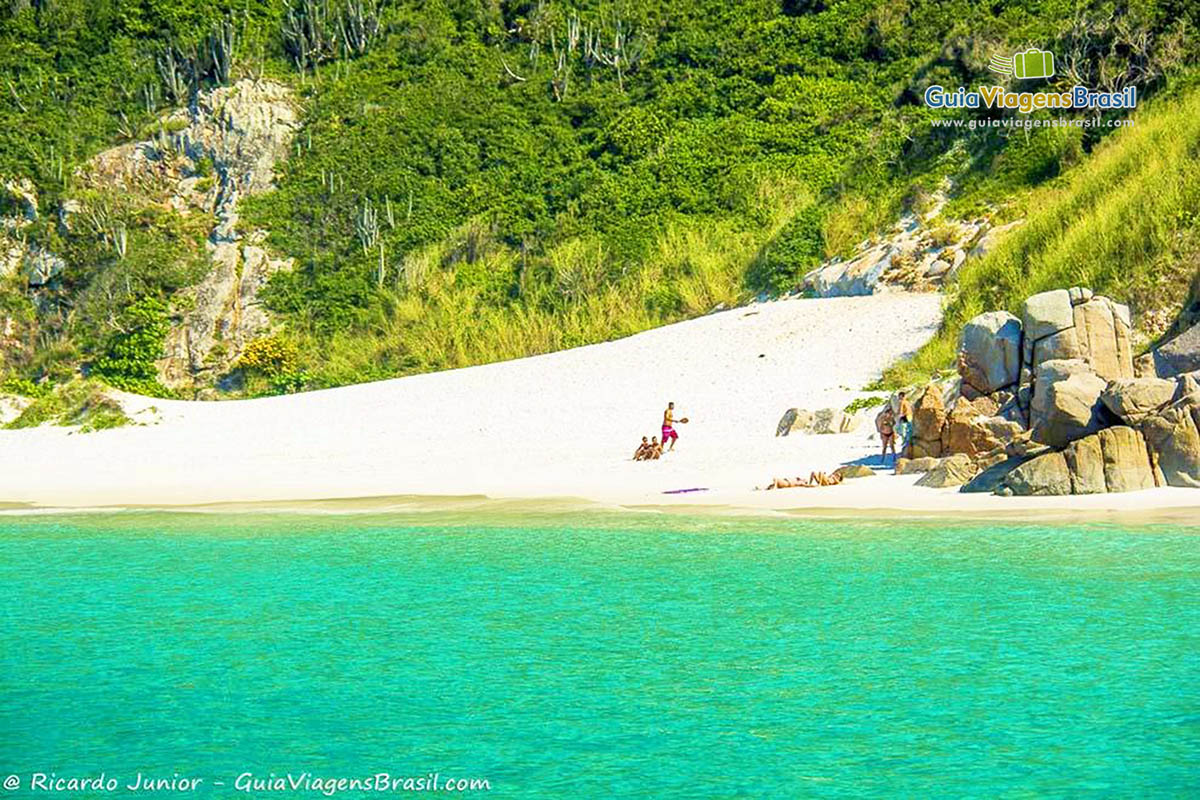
618,656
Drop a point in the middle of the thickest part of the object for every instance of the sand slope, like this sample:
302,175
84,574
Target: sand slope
563,423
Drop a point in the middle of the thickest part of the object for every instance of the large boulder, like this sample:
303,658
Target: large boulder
993,477
823,420
969,432
1045,475
1127,466
1112,460
990,352
929,417
854,471
1180,355
911,466
1046,314
1072,324
953,470
1173,436
1066,402
833,420
1134,399
793,420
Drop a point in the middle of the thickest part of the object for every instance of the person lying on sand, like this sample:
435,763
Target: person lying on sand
787,483
642,451
814,479
823,479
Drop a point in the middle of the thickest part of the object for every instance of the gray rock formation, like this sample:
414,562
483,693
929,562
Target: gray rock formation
1113,460
953,470
1173,436
821,421
1072,324
1066,404
990,352
1180,355
1134,399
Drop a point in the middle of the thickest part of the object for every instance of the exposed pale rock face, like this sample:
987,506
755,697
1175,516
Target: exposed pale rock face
990,352
243,132
1072,324
1180,355
1066,404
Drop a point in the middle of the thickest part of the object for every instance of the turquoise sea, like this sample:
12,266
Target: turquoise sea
602,655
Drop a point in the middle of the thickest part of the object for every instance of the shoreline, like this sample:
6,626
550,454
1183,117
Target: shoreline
1149,507
555,431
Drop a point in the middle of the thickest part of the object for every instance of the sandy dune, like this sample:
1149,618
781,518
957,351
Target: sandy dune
561,425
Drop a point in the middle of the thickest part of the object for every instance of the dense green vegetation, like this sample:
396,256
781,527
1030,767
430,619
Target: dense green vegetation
486,179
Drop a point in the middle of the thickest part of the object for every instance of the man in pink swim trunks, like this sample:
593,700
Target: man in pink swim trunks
668,426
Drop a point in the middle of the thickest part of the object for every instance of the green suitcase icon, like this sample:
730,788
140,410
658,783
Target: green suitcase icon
1033,64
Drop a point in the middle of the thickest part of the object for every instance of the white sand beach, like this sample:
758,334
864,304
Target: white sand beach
559,425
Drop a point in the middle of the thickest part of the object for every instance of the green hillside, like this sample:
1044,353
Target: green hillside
1125,222
482,180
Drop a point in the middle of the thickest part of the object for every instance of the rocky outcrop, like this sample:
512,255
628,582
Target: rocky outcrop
222,148
969,433
990,353
1045,475
1180,355
821,421
919,253
953,470
1114,460
1066,405
1134,399
1173,436
1073,325
911,466
929,417
854,471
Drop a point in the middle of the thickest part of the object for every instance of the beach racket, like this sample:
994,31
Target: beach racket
684,420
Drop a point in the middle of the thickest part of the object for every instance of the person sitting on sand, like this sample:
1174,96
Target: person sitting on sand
885,423
655,451
642,451
668,426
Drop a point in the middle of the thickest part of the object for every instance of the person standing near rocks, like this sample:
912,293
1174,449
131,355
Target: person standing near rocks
885,423
904,425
